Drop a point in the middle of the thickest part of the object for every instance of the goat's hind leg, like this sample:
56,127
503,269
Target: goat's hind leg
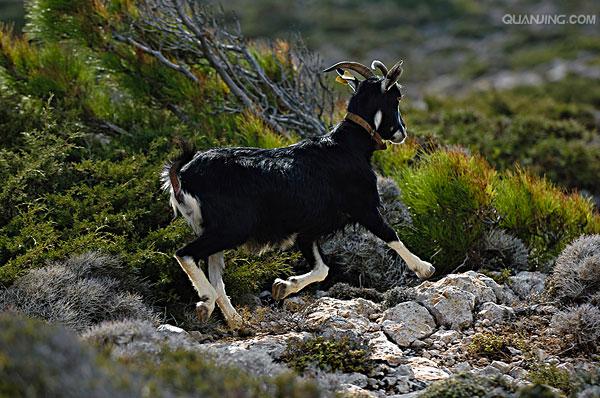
210,242
207,293
216,266
310,251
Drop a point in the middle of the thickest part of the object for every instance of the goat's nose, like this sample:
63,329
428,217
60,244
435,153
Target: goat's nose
399,136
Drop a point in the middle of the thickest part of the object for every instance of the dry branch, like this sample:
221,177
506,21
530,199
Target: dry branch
181,34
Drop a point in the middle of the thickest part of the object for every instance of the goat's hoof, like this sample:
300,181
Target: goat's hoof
426,270
280,289
235,322
204,310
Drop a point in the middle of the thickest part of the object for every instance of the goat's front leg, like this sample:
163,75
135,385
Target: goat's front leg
377,226
310,251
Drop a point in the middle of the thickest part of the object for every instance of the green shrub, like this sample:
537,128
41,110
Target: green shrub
493,346
552,376
540,214
464,385
38,359
191,374
344,355
448,195
246,273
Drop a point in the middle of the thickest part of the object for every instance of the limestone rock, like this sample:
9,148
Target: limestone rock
331,317
407,322
527,284
426,370
383,350
451,306
471,282
256,355
445,336
495,313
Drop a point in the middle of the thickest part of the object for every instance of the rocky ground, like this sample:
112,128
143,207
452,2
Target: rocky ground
440,332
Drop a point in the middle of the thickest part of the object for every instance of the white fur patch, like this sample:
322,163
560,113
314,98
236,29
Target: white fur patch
189,209
422,268
398,137
377,119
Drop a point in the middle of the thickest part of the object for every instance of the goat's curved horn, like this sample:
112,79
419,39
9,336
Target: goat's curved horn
393,75
355,66
381,66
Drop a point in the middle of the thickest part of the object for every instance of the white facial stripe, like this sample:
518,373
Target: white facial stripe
377,120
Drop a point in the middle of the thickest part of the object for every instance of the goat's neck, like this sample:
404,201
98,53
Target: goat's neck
354,138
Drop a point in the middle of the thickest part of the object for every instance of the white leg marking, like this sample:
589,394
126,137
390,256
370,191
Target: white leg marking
282,289
423,269
207,293
216,266
377,119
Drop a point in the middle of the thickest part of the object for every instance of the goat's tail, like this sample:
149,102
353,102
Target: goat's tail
169,176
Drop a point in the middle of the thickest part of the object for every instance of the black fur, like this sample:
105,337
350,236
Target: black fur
310,189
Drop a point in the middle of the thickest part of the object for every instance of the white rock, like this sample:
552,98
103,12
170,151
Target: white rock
527,284
426,370
407,322
495,313
504,295
518,373
501,366
445,336
334,318
382,349
462,367
257,355
166,328
470,281
451,306
350,390
489,371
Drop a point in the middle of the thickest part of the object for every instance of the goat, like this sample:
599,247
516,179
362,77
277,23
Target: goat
296,194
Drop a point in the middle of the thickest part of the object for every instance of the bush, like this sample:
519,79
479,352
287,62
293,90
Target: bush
343,355
397,295
190,374
448,195
552,376
465,385
579,326
576,274
344,291
37,359
78,293
493,346
249,274
500,251
544,217
365,259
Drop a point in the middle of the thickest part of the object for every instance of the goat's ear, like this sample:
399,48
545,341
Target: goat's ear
345,77
392,76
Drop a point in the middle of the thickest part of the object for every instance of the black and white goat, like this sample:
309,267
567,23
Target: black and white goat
297,194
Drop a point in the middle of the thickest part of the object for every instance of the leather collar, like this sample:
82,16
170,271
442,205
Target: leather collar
379,144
